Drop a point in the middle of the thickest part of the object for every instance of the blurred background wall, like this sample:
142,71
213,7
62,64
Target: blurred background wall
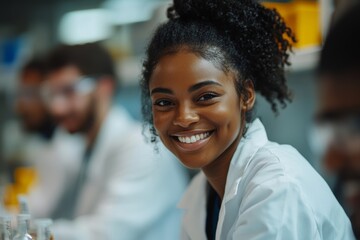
29,28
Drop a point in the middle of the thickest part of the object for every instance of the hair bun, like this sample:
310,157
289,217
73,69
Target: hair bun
183,9
216,11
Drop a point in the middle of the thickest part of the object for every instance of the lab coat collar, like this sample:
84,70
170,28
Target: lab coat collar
117,123
195,207
254,139
194,200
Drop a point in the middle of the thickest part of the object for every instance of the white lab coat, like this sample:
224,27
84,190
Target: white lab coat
271,192
130,192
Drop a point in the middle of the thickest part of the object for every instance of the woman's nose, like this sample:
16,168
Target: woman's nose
185,116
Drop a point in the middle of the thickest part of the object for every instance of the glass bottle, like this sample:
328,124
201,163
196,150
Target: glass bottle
43,229
5,228
22,228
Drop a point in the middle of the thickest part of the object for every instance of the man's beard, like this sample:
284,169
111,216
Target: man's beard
90,119
45,128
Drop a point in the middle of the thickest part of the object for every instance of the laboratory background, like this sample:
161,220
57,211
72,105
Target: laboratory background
30,29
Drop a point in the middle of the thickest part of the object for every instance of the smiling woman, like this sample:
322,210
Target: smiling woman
197,114
200,76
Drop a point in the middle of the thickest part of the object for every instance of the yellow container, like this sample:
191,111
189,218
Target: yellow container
10,198
303,17
25,178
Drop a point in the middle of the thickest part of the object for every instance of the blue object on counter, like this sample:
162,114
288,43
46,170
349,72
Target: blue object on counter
10,49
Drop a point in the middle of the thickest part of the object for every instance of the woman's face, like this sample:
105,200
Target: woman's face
196,109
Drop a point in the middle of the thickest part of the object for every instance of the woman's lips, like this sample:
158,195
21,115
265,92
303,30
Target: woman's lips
192,141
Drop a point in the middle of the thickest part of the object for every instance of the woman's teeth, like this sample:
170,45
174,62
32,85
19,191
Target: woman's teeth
194,138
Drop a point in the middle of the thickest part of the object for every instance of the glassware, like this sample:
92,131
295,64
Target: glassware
43,229
5,228
22,228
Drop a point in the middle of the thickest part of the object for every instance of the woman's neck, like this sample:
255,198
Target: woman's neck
217,171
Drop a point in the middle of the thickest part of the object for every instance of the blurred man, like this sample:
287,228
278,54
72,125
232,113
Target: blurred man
124,190
33,119
34,141
29,106
339,109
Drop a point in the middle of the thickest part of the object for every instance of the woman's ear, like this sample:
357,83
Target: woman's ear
248,95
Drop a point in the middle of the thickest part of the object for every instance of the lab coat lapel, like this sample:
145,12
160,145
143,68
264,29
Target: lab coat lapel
254,139
115,123
194,200
194,205
90,189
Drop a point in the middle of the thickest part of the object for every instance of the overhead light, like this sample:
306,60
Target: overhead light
84,26
130,11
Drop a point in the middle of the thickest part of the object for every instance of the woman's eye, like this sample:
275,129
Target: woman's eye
163,103
207,96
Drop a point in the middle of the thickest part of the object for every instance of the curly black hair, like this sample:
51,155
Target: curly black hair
235,35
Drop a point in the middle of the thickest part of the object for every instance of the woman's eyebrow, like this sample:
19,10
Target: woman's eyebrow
202,84
161,90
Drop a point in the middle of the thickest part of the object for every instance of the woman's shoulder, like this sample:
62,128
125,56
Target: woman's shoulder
281,178
284,165
278,160
276,167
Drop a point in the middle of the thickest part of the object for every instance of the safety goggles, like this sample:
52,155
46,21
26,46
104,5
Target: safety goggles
340,129
85,85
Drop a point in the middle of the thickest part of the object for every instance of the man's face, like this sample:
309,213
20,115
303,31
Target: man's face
72,108
339,108
29,106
